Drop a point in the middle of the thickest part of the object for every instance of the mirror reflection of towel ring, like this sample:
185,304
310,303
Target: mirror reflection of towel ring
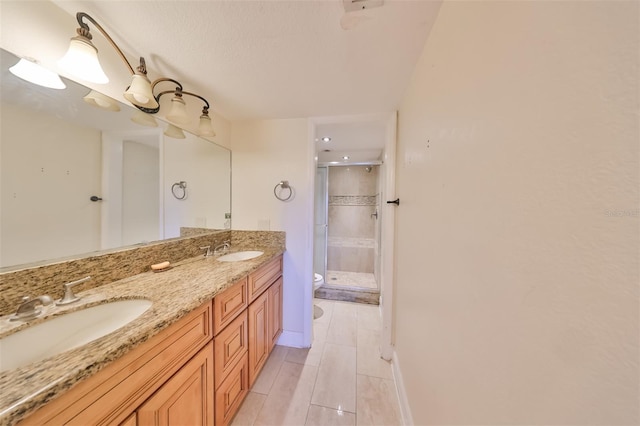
182,185
283,185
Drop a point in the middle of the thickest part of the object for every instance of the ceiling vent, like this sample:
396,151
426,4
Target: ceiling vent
353,5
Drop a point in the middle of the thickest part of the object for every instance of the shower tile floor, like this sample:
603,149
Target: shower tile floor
351,279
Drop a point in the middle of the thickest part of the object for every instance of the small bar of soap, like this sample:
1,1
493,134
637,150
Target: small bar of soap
159,266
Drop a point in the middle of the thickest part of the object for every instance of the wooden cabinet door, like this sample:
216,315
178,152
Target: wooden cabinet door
275,312
232,392
186,398
258,335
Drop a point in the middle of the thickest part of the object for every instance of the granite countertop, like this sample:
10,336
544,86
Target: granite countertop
174,293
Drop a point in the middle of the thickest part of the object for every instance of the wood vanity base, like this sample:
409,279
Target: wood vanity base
197,371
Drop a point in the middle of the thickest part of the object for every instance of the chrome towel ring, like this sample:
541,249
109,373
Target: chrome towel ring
284,185
182,185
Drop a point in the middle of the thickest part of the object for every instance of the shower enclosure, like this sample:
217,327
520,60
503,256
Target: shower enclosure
347,225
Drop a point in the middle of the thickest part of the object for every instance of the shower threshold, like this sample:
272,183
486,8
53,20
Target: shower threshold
348,294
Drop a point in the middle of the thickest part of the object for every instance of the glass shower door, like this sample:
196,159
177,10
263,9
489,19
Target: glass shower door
320,215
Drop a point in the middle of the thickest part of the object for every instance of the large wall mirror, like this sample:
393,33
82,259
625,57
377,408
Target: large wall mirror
57,152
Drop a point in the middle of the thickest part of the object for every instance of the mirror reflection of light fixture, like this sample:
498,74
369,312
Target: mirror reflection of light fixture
143,119
174,132
30,70
81,60
99,100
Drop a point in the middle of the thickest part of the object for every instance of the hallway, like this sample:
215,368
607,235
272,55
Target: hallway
341,380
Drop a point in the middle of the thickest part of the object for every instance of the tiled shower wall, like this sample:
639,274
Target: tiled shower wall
353,197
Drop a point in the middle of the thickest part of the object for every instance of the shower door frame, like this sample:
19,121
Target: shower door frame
325,204
378,239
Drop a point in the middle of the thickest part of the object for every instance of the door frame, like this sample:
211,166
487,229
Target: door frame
387,237
387,240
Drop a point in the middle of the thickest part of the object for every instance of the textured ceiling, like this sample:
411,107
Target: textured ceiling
274,59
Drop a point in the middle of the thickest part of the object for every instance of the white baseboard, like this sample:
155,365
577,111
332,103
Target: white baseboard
405,410
293,339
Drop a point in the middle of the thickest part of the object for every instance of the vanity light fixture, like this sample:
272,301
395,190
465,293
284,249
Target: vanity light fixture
30,70
99,100
205,128
326,139
346,157
81,60
178,112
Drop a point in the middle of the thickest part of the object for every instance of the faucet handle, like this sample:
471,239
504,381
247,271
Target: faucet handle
69,296
208,250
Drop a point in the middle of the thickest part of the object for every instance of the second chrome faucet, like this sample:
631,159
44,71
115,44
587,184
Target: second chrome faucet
224,248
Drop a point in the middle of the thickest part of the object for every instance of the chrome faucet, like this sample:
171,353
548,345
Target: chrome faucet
225,246
27,309
208,251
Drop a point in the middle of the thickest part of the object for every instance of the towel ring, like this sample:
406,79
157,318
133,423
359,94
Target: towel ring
182,185
283,185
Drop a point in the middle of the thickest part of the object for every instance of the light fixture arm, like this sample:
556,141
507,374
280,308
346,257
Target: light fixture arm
83,31
178,92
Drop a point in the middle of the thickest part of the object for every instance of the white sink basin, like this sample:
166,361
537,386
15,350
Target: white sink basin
240,255
67,331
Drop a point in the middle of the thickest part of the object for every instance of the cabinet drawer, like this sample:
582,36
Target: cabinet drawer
260,280
228,304
232,392
230,345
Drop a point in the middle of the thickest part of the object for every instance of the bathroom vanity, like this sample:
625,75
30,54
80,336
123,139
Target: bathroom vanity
189,359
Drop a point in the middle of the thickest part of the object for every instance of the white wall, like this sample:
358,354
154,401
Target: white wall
50,169
517,234
265,153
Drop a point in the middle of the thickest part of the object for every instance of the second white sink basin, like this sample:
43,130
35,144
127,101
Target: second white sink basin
240,255
67,332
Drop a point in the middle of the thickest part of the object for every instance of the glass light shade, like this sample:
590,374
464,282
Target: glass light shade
205,128
99,100
81,60
144,119
139,93
178,111
35,73
174,132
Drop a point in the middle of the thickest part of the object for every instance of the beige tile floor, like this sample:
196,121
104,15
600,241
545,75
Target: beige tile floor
341,380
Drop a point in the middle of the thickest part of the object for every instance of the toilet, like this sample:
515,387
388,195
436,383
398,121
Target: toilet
317,281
